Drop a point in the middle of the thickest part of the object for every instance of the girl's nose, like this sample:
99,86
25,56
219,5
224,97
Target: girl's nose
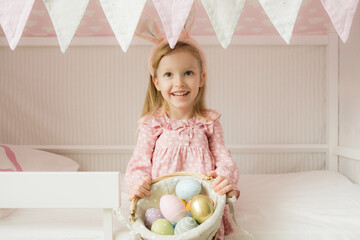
179,80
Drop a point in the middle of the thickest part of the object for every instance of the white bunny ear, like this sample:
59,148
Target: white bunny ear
148,30
189,22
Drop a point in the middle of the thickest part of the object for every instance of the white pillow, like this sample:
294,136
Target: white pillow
20,158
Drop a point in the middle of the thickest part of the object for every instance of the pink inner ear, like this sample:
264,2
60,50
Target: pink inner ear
11,155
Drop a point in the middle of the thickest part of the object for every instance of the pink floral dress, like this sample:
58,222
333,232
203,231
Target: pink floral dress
195,145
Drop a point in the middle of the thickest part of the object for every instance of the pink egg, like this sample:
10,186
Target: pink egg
151,215
172,208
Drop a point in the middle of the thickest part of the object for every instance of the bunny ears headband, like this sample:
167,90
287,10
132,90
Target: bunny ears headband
148,30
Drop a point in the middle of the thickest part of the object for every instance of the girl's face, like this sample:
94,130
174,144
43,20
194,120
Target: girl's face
179,78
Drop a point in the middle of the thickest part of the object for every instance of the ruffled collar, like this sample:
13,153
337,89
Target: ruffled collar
161,117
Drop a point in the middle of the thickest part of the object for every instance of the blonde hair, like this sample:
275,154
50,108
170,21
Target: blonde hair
154,100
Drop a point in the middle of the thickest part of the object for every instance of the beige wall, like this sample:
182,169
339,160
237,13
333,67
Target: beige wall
349,99
93,96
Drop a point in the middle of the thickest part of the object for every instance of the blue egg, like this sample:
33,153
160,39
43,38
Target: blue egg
188,214
187,188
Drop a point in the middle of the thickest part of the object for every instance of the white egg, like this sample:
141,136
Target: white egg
185,224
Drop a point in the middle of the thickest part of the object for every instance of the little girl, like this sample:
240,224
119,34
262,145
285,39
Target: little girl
176,131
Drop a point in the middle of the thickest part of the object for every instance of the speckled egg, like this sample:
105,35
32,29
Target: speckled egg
162,227
151,215
185,224
187,188
172,208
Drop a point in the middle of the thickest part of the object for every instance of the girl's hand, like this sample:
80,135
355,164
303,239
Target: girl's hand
222,185
141,188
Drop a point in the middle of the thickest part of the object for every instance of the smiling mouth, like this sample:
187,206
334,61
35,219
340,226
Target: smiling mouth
180,93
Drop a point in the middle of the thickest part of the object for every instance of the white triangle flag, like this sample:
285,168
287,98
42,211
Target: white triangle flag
123,16
224,17
341,14
13,17
173,15
283,15
66,16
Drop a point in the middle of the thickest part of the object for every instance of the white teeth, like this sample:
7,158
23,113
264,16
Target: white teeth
180,94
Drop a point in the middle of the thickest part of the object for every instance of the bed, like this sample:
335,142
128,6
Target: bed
306,205
297,146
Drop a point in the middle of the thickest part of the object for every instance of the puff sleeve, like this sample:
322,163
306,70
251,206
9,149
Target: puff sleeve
224,164
140,164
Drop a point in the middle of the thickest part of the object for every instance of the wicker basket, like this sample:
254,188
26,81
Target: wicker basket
166,185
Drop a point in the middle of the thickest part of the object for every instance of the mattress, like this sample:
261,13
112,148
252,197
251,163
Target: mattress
306,205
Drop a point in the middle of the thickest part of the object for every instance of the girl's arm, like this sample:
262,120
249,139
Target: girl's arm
140,164
225,167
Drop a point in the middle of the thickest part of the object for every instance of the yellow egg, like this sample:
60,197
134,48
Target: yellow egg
201,208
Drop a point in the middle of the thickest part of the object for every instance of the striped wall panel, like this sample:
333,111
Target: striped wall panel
254,163
349,100
269,95
350,168
101,162
276,163
86,96
94,95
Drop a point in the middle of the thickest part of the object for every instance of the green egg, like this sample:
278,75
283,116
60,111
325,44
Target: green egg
162,227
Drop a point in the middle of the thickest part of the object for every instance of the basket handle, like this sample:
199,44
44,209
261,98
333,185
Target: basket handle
175,174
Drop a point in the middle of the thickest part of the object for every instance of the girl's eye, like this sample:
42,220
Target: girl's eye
189,73
168,74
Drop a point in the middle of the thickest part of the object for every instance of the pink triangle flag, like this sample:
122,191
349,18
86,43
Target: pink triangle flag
224,17
66,16
13,17
173,15
341,13
123,16
283,15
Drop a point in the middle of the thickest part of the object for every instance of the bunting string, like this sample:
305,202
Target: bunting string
123,17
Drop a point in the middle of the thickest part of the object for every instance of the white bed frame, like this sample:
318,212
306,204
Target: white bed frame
47,190
86,189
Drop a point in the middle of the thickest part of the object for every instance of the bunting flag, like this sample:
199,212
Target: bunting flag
341,14
66,16
224,17
173,15
283,15
123,17
13,17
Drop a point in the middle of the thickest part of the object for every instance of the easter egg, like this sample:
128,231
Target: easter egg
188,214
185,224
183,201
151,215
172,208
187,188
162,227
188,205
201,208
